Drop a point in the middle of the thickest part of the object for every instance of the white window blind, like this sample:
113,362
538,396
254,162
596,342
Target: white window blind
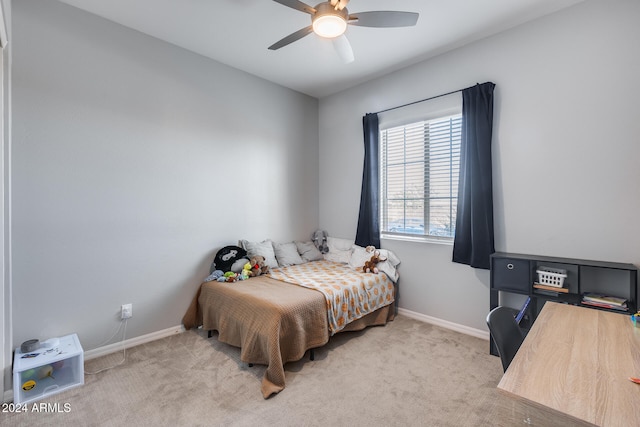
420,164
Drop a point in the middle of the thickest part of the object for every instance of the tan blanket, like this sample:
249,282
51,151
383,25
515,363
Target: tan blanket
271,321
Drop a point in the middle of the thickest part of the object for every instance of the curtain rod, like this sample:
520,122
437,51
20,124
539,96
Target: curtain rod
419,101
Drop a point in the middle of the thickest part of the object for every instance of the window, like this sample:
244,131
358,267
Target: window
420,164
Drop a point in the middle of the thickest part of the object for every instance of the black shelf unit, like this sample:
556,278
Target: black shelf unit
516,273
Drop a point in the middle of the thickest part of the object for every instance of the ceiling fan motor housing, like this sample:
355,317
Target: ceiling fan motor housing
328,21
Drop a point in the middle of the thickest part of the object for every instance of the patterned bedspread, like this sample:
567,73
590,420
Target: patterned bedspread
350,294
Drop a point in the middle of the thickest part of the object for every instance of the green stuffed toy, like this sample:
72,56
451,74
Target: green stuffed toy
246,271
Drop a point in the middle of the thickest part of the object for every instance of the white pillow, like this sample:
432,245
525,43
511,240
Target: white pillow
339,244
308,251
389,270
391,257
339,250
390,265
287,254
264,248
360,256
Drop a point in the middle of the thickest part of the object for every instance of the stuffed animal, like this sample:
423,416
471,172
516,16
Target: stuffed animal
319,238
229,277
229,258
246,270
371,265
214,276
232,277
258,266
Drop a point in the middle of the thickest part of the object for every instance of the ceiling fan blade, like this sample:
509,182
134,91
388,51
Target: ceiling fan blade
297,5
384,19
343,47
291,38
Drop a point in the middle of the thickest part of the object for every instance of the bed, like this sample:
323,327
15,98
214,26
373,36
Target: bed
277,318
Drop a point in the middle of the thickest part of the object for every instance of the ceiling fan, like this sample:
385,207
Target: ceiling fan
329,19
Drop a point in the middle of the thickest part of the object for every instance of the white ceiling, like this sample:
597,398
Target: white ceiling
238,33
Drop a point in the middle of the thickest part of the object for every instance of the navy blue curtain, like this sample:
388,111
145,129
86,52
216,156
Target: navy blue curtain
473,242
368,231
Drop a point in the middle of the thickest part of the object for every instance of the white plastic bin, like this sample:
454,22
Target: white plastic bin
551,276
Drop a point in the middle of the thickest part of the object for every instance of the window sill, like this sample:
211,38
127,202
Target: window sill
418,239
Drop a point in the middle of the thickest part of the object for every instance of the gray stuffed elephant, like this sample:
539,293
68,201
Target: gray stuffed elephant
319,238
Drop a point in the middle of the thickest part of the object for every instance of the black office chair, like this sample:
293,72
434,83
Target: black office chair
506,333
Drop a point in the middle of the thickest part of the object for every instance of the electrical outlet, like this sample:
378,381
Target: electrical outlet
126,311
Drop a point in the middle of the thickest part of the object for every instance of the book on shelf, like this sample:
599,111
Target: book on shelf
604,301
523,310
546,292
602,298
611,306
550,288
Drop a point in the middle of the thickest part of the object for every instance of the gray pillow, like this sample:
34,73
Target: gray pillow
308,251
264,248
287,254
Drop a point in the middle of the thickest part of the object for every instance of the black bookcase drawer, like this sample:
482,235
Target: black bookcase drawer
511,274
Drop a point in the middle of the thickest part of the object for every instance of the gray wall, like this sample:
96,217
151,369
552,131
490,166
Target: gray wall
565,149
133,162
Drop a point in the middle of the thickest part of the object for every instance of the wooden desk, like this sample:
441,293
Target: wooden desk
575,362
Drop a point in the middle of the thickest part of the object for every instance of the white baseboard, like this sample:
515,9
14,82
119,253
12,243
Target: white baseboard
445,324
112,348
132,342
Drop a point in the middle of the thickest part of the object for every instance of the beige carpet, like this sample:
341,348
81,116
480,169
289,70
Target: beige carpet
406,373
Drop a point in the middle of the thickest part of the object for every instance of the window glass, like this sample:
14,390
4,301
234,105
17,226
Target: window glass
420,164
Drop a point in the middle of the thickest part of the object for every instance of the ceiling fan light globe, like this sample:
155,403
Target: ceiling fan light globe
329,26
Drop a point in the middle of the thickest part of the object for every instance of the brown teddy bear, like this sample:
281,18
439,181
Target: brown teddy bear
258,266
371,265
